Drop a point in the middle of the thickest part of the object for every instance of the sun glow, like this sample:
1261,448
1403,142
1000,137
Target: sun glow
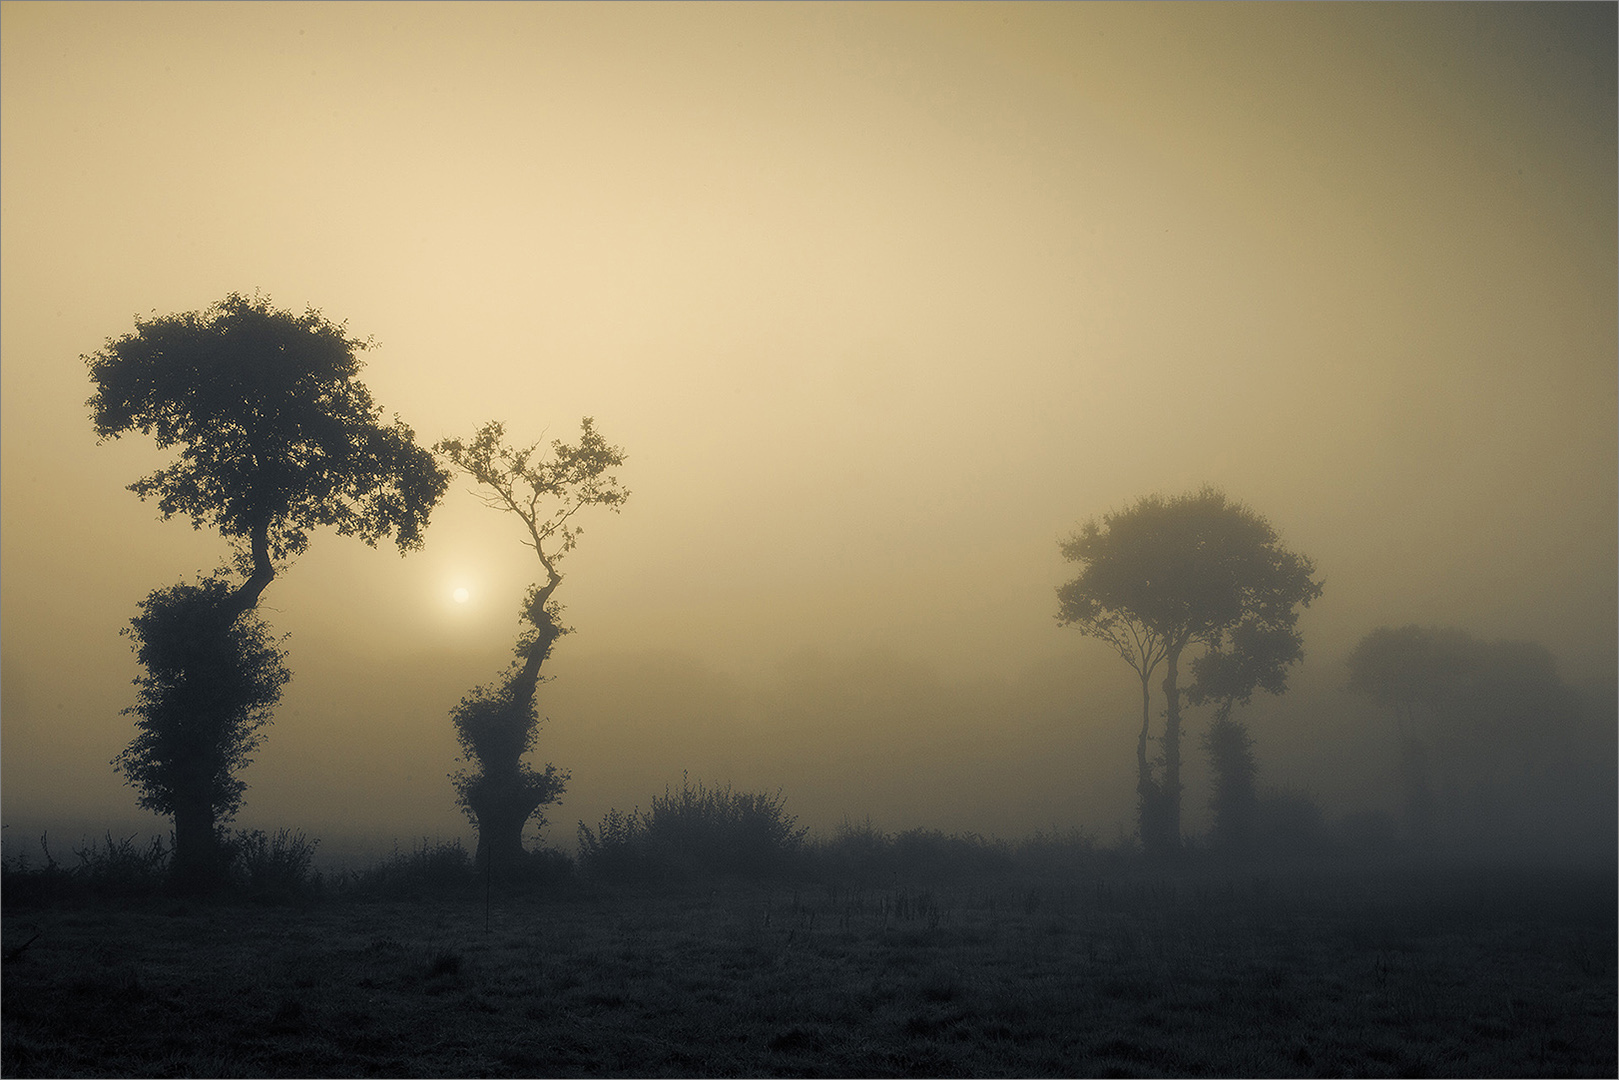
461,596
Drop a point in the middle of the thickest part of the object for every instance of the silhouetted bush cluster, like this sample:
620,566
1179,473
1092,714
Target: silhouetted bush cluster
122,869
696,831
260,867
440,867
864,855
278,867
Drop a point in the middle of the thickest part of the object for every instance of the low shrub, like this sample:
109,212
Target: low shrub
123,867
696,831
860,855
445,866
119,869
275,867
260,866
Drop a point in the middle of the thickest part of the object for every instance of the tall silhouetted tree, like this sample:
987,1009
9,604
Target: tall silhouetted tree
498,724
275,437
211,680
1165,575
1470,716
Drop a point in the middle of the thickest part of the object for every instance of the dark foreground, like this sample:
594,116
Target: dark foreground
1287,972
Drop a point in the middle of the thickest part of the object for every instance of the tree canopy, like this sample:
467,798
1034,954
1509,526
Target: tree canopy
1179,570
1166,574
1255,655
276,435
1476,721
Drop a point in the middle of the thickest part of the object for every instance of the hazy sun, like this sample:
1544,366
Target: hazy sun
461,596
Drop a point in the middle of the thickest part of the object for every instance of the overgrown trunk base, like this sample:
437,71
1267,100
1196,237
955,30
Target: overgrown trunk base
500,837
1159,836
199,864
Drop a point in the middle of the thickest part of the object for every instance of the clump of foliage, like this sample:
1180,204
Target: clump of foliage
857,853
1234,800
496,726
253,865
1066,851
276,866
443,867
696,831
212,678
442,864
119,869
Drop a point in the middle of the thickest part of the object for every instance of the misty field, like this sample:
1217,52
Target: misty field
1302,971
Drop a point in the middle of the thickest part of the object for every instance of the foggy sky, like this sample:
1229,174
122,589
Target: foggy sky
882,302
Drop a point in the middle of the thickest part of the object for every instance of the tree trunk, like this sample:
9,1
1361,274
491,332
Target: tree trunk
500,836
1149,808
199,864
1170,789
246,596
1143,766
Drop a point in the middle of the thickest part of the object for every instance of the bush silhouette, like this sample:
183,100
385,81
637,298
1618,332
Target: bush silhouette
696,831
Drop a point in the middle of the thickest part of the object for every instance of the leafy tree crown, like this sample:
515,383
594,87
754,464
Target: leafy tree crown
1165,573
276,435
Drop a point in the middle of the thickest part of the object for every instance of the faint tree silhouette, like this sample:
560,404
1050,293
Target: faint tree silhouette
497,724
276,437
211,680
1255,656
1473,720
1165,575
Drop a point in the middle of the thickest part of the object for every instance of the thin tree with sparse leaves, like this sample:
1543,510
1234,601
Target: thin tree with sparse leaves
498,724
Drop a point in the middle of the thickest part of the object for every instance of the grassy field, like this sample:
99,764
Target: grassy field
1283,972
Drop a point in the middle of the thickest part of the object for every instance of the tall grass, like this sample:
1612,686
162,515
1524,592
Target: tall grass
274,867
261,866
445,866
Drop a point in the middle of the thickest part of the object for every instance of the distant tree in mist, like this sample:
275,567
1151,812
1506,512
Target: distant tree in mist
1234,800
1255,656
498,724
1166,575
275,437
1477,724
212,678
